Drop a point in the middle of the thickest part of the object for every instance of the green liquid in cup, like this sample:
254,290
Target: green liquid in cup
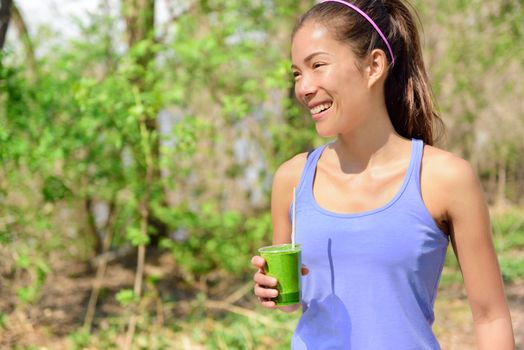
284,263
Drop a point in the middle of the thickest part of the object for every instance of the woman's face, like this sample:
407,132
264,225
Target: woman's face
327,81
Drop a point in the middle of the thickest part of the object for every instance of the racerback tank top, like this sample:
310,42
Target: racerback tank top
373,275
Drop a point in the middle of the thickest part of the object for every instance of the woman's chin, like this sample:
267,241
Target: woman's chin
325,132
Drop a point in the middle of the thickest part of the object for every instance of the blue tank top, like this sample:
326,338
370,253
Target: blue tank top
373,275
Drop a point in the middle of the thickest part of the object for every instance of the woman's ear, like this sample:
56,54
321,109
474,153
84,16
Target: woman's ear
377,67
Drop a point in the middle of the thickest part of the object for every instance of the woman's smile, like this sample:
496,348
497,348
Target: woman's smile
319,112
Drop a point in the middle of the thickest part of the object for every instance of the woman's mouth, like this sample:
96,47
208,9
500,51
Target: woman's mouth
318,111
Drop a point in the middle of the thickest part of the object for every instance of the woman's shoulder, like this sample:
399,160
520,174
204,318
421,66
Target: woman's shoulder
288,173
448,170
286,177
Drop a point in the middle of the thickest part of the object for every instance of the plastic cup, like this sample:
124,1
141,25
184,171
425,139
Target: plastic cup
284,263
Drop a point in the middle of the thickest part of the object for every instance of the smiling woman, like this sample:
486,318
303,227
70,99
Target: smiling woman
377,208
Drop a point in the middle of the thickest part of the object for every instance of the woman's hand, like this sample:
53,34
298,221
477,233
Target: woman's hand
265,286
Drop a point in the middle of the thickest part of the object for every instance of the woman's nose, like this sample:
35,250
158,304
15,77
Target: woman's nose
305,87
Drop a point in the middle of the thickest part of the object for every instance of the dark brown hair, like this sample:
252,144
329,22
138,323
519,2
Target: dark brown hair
409,99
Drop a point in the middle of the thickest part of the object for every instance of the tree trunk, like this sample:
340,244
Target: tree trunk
91,224
140,24
5,16
140,19
21,27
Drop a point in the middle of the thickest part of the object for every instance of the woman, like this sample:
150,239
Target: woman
377,207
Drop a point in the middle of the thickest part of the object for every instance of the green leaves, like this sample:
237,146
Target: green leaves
126,297
38,270
235,107
23,261
55,190
186,133
3,320
137,237
209,239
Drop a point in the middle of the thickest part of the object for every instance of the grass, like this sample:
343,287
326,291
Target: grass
205,331
236,332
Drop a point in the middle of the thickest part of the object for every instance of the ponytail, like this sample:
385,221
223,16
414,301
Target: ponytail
409,99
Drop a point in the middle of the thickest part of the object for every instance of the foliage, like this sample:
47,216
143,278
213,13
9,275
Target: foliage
193,136
227,331
508,230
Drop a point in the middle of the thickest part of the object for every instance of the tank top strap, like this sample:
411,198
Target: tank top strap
418,150
308,174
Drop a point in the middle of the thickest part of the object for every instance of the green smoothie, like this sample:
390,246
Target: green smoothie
284,263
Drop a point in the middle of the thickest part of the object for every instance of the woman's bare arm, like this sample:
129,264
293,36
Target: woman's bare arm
286,177
472,242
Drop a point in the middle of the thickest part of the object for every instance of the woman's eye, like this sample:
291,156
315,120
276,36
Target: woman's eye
296,74
317,65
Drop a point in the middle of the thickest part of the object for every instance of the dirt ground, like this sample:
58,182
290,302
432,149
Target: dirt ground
61,309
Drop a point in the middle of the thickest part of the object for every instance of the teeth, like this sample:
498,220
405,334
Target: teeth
320,108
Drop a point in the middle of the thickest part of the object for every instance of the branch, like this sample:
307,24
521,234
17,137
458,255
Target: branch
109,257
210,304
101,270
236,296
144,219
91,223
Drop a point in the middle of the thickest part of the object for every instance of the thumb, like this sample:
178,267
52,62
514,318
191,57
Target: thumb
258,261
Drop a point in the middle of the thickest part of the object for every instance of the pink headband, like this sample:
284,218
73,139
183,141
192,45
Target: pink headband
370,21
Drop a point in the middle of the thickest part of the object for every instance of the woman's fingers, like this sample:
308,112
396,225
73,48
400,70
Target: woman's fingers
264,280
268,304
265,293
265,296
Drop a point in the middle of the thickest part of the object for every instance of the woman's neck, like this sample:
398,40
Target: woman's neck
370,146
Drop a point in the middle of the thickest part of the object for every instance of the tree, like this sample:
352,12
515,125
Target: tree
140,29
5,14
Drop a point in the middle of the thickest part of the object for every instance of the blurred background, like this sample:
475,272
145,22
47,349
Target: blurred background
138,139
